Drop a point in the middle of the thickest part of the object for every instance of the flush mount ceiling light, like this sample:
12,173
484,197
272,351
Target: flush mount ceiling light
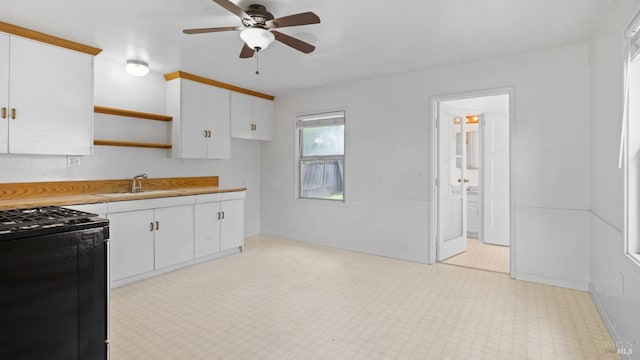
257,38
137,67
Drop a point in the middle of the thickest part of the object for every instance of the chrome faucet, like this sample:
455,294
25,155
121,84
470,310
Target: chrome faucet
137,185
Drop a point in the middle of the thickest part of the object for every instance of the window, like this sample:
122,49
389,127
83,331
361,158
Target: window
321,156
631,136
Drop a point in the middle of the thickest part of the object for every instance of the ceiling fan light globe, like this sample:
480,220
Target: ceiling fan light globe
257,37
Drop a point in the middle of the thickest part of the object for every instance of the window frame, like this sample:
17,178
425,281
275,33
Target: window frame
321,119
631,143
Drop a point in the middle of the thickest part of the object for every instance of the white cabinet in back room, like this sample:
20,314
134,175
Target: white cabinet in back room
219,222
251,117
201,120
46,98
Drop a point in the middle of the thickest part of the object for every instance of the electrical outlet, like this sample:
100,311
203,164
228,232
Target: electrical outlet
73,161
621,283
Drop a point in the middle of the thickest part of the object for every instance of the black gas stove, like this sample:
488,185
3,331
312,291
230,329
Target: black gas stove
20,223
53,284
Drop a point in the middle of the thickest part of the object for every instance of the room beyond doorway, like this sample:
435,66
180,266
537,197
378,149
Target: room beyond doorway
472,186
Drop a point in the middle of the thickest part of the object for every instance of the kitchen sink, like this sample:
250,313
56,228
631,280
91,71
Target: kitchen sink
144,192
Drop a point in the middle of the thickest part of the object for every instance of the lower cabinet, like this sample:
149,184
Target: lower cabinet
473,215
131,242
152,234
219,223
173,235
145,240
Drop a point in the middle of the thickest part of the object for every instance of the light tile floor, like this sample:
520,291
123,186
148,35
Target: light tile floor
289,300
482,256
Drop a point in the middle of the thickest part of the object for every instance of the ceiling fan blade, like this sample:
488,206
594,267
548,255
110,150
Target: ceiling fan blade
235,9
305,18
246,52
293,42
210,30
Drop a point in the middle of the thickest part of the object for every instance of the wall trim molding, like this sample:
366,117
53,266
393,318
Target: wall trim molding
48,39
597,216
548,210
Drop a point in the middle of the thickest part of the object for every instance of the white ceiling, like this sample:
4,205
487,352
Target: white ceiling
357,39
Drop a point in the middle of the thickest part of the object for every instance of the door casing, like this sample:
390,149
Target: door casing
433,206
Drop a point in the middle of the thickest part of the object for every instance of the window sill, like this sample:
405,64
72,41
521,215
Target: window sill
321,202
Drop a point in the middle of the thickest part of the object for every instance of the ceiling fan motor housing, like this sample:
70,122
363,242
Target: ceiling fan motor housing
259,14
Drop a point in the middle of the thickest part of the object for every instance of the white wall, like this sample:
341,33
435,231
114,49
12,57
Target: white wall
615,280
115,88
388,162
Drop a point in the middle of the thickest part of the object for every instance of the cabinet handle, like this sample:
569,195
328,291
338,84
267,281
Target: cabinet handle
219,215
223,215
157,225
209,133
205,133
4,112
466,180
151,228
13,113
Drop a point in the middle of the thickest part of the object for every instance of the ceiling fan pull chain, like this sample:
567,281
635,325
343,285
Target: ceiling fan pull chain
257,62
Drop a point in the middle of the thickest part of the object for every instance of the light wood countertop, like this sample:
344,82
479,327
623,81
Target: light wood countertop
90,192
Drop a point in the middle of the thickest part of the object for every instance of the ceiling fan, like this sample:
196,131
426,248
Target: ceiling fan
258,28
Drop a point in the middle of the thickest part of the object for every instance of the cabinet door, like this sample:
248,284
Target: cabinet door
219,141
131,242
173,235
193,120
4,93
232,231
473,219
263,119
51,91
207,229
241,116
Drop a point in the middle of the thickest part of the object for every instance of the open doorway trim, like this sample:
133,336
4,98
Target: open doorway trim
433,207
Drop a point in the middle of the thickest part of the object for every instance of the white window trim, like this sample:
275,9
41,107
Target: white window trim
320,116
632,36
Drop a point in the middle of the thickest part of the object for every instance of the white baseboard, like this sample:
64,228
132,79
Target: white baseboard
607,321
570,284
150,274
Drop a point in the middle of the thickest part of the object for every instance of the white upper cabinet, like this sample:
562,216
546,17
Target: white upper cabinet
201,120
251,117
46,98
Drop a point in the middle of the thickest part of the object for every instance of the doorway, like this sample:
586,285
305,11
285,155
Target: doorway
472,190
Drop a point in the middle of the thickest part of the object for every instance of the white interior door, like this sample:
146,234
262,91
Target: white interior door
452,196
496,179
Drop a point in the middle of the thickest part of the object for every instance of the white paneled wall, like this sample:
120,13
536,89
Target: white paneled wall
115,88
388,160
614,278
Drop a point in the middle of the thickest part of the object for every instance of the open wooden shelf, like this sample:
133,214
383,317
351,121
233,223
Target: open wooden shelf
130,144
131,113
